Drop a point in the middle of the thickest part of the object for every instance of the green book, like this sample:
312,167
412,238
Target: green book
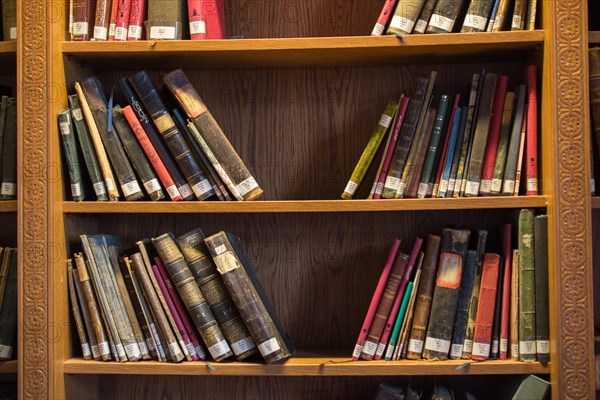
527,343
369,152
505,128
8,189
394,338
67,135
405,16
532,388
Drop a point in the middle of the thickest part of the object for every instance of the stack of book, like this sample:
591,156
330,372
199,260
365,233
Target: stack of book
444,16
172,299
124,20
451,150
449,301
143,150
9,20
8,303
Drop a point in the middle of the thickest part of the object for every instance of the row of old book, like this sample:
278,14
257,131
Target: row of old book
146,150
453,301
125,20
477,149
594,87
445,16
172,299
8,303
9,20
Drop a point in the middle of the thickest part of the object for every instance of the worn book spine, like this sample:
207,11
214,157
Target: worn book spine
477,16
167,20
375,299
86,348
491,148
247,293
171,345
159,145
8,312
85,314
502,15
102,19
384,17
531,14
514,307
412,182
542,314
122,20
480,135
445,295
503,140
456,155
92,90
191,296
389,353
519,166
526,240
173,138
492,18
506,290
87,148
151,153
3,109
440,186
462,309
136,20
424,16
8,188
4,265
424,296
218,298
441,153
495,349
370,150
207,19
93,308
383,310
594,88
69,142
531,152
136,155
192,104
9,19
405,16
407,324
444,16
83,19
510,166
482,339
112,24
519,15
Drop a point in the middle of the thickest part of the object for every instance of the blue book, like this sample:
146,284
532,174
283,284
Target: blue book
448,162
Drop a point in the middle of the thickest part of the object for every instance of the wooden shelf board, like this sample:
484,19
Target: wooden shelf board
8,55
307,366
8,206
302,52
299,206
596,202
594,37
9,367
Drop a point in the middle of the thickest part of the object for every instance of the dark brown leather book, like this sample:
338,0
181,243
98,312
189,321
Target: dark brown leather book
445,295
212,287
249,297
86,348
173,138
244,185
101,20
83,19
85,314
192,297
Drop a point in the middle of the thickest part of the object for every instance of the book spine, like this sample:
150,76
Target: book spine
456,155
412,182
71,154
477,16
249,297
190,101
495,349
167,23
440,155
182,186
206,18
87,318
122,20
83,19
542,324
9,19
405,16
136,20
151,153
492,18
86,349
462,309
424,16
444,16
445,164
92,306
510,167
368,153
136,156
112,24
8,312
485,310
173,138
102,19
514,306
531,14
382,313
521,153
527,343
491,148
92,90
519,15
191,296
501,15
397,325
87,148
531,167
408,319
506,290
384,17
212,287
502,151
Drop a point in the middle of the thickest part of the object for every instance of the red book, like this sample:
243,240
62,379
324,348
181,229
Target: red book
364,331
153,157
136,20
482,339
389,325
83,19
505,317
113,19
390,149
386,12
531,152
178,310
521,151
443,154
207,19
101,20
122,22
491,148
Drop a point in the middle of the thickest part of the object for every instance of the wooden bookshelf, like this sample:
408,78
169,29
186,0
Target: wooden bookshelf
594,37
596,202
8,367
8,206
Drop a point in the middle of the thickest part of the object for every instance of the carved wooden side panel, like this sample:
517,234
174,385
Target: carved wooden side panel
34,364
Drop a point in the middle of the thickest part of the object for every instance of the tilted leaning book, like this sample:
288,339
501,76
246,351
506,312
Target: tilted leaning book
86,349
85,314
526,239
249,297
71,153
405,16
424,16
194,107
384,16
444,16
